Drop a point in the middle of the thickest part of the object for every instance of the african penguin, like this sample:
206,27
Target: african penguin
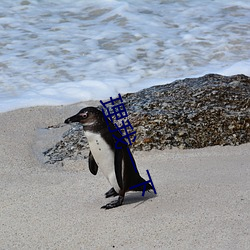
114,161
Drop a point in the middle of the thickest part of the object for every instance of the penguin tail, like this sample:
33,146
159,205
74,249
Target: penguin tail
141,187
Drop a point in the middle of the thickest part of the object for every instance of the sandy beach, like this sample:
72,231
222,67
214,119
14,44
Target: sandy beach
202,201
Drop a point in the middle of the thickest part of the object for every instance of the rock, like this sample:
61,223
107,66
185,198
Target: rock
190,113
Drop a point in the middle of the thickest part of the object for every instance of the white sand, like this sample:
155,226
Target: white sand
203,199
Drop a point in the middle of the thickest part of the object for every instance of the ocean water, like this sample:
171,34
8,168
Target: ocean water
61,52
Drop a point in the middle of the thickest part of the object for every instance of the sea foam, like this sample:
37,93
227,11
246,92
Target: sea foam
63,52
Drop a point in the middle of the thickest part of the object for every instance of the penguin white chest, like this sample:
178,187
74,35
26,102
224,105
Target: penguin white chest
104,157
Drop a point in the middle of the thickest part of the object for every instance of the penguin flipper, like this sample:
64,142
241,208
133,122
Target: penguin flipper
118,166
110,193
93,167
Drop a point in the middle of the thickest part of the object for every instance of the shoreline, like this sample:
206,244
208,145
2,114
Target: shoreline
202,194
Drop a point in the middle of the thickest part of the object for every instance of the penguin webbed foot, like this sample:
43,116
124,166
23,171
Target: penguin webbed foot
111,193
115,203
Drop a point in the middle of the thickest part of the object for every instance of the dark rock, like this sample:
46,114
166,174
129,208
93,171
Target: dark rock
190,113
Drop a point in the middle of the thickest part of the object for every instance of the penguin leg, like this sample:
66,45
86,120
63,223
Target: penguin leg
111,192
113,204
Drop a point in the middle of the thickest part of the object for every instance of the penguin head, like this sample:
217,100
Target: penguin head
88,117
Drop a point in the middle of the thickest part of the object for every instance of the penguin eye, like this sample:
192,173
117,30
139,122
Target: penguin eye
84,115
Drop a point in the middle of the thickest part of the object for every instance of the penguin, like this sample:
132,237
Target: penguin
111,156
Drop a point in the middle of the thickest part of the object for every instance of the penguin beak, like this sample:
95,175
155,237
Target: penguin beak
74,118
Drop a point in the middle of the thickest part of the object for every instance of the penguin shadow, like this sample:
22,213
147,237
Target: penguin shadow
137,199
